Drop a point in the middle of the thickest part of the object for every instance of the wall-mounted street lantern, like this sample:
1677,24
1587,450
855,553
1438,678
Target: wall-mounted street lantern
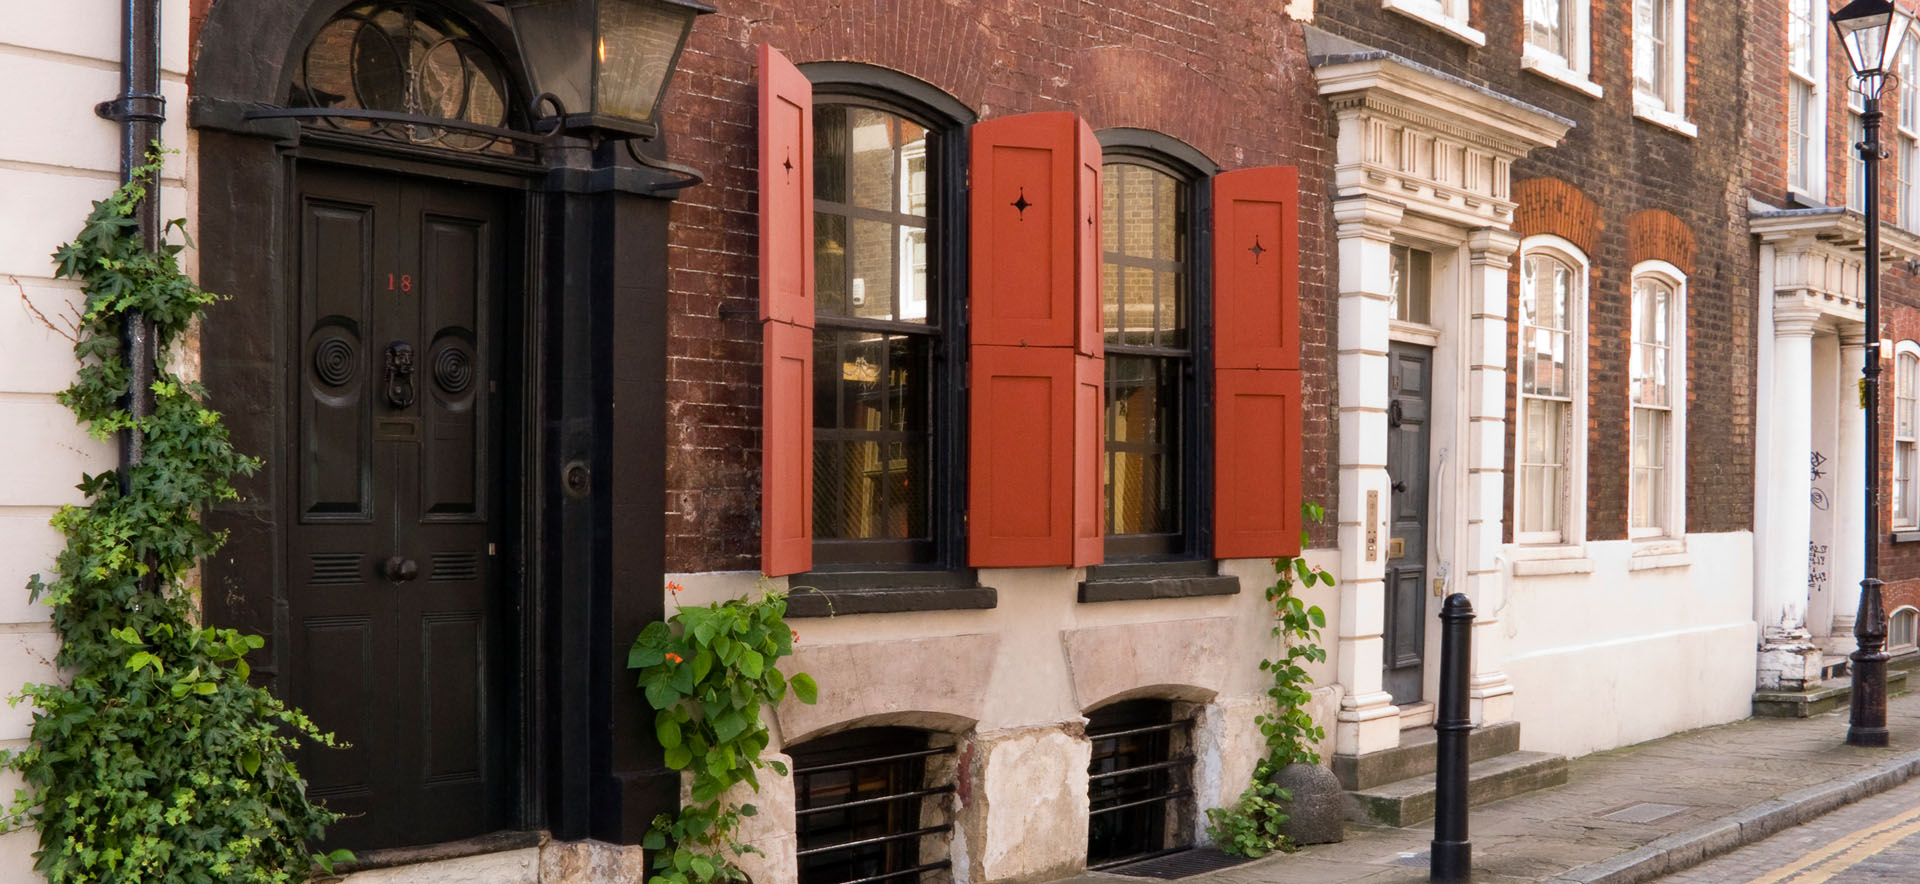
1871,31
600,67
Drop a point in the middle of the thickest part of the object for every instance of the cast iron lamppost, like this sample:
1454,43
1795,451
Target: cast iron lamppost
600,67
1871,31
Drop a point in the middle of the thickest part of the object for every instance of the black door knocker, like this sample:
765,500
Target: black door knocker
1395,415
400,374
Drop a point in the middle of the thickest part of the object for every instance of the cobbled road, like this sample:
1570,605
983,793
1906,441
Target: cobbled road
1876,841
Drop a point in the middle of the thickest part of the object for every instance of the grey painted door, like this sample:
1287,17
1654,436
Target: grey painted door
1410,375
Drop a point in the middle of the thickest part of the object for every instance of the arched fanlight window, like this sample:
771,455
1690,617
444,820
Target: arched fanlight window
384,68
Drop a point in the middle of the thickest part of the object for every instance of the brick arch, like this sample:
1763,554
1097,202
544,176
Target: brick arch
898,40
1550,205
1125,87
1659,235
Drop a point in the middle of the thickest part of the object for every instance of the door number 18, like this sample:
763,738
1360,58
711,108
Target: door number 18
399,282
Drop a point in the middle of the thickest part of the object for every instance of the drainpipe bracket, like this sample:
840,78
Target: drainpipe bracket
141,107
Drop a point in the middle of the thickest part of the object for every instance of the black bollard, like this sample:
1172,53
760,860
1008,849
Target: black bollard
1452,853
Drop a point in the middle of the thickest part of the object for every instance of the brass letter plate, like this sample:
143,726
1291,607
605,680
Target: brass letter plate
1396,547
1373,526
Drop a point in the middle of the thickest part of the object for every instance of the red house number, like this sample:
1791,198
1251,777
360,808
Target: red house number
400,282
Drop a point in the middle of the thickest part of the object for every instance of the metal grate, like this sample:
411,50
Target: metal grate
335,568
860,801
1138,780
1179,864
1646,812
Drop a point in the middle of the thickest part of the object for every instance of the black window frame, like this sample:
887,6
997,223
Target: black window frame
939,561
907,759
1140,775
1193,543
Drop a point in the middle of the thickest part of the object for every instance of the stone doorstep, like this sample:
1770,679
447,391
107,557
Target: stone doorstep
1410,801
1416,755
1825,698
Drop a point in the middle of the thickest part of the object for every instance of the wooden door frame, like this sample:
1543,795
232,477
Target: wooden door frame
593,334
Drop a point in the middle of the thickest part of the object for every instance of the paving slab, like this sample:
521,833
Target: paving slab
1734,784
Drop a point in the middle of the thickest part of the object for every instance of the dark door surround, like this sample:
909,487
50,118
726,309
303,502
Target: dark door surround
589,279
1409,434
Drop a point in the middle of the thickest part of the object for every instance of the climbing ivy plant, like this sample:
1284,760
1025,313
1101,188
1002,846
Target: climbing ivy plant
157,763
1251,827
708,671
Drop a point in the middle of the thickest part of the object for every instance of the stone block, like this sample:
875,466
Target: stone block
1023,815
1180,659
591,862
1314,816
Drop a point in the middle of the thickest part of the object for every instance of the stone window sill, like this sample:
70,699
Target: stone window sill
1906,535
1654,561
1550,567
1134,581
1427,11
1554,68
833,594
1652,112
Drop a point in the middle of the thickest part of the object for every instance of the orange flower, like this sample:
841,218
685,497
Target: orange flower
674,587
675,657
796,634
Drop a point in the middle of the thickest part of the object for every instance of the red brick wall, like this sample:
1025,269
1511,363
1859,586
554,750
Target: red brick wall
1230,78
1625,166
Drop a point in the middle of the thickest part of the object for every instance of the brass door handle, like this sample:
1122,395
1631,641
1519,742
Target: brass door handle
401,569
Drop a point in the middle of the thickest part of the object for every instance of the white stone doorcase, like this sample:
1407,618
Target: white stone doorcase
1809,510
1422,158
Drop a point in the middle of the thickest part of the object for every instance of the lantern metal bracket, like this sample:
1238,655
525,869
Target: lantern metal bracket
141,107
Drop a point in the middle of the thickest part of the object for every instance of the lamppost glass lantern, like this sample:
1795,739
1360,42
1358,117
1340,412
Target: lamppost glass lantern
600,67
1871,31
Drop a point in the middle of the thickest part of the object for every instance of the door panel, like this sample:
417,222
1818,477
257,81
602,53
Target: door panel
399,618
1409,372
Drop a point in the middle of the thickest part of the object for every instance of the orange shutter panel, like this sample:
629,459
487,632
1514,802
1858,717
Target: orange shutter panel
1034,300
1256,490
1021,469
1256,268
786,308
1025,229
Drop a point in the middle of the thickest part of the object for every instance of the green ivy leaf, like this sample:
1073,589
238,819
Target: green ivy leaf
803,688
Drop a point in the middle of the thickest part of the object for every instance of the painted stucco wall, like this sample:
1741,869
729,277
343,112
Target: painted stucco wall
1012,684
56,157
1619,656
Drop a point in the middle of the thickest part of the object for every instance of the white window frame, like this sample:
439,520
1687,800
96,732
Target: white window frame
1909,520
1906,138
1449,16
1671,509
1668,110
1575,71
1813,162
1897,647
1569,540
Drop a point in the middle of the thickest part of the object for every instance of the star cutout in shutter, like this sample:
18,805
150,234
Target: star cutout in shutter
1256,248
1022,204
789,165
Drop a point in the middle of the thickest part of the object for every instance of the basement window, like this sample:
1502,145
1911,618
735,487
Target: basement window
1139,782
1902,629
865,811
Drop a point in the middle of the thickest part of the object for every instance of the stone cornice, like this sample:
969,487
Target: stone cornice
1437,103
1819,258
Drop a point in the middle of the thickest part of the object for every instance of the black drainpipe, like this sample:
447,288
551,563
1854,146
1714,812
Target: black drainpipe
140,110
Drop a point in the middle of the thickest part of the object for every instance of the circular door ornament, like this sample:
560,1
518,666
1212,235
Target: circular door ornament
453,369
335,361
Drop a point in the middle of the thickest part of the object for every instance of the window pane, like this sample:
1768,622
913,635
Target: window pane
871,442
1142,481
1547,24
872,142
830,152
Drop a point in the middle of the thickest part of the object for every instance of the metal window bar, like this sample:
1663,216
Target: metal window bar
903,796
943,864
1157,799
878,839
1128,771
1145,729
864,762
1134,858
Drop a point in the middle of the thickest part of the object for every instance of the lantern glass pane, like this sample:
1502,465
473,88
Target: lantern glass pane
638,43
553,37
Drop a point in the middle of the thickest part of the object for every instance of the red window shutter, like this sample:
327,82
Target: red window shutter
786,450
786,306
1256,268
1089,436
1034,298
1256,486
1021,468
1026,226
786,191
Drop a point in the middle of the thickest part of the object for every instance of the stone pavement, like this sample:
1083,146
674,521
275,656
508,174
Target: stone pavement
1716,789
1876,841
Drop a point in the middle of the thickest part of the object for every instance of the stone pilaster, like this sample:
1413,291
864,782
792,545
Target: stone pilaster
1789,660
1491,254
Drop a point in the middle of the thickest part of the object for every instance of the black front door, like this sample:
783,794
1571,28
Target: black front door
1409,373
397,599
